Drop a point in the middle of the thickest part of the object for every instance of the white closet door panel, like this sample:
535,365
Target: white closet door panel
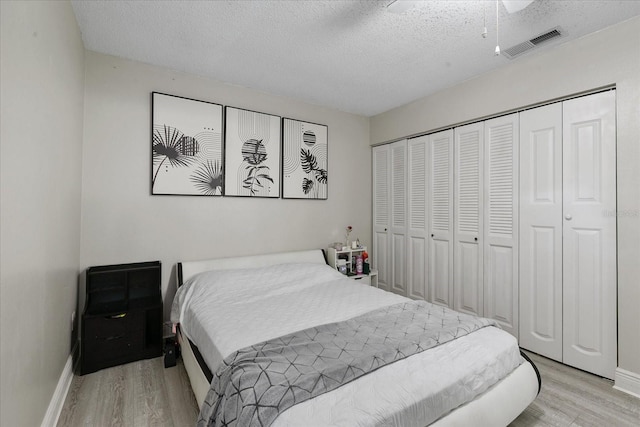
440,280
501,221
381,186
417,268
381,260
467,288
398,263
501,292
468,266
540,265
440,199
399,185
417,186
417,218
381,215
398,217
589,231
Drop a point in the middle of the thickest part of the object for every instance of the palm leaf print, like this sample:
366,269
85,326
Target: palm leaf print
307,185
172,145
308,161
321,176
208,178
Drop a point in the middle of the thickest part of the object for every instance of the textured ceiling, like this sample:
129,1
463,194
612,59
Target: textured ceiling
353,56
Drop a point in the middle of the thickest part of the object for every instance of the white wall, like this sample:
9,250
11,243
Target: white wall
42,80
611,56
122,222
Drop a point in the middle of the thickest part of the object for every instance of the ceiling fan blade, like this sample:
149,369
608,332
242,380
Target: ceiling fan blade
514,6
401,6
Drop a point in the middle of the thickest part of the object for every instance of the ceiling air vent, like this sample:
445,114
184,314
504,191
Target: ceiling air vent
526,46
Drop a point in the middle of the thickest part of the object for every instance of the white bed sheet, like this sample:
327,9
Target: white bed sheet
226,310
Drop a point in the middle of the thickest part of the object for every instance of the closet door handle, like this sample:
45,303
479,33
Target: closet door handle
432,235
568,217
475,238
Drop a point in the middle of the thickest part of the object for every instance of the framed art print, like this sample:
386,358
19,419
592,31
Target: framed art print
252,154
304,160
186,146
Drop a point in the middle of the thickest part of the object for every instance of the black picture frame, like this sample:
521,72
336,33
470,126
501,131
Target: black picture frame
305,160
187,147
252,153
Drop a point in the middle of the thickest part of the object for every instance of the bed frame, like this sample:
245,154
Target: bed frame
497,406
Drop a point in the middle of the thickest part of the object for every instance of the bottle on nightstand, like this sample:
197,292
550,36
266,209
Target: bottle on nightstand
359,264
365,263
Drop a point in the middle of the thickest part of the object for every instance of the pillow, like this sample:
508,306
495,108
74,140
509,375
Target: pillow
237,286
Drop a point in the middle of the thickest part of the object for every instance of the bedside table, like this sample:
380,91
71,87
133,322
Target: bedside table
122,319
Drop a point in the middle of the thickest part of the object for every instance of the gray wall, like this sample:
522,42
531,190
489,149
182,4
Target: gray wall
122,222
610,56
42,80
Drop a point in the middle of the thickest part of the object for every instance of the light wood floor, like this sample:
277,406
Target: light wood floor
141,393
145,394
571,397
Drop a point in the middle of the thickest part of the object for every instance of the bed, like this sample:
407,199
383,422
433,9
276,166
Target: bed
232,303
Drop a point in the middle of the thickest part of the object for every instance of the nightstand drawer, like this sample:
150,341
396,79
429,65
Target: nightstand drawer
106,327
109,340
114,347
365,280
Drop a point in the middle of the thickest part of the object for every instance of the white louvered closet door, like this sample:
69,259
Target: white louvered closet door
540,281
440,200
398,217
501,221
417,247
468,237
589,233
381,214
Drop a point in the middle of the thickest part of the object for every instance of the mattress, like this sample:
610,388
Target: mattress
223,311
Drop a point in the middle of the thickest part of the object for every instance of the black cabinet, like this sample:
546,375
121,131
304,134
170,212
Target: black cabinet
122,318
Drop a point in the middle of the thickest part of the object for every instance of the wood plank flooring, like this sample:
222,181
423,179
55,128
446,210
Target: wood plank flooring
571,397
141,393
144,393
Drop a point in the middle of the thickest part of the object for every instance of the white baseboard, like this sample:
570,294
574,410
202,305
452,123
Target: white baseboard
628,382
59,395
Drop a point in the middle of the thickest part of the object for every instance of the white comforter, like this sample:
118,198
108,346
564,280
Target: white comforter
225,310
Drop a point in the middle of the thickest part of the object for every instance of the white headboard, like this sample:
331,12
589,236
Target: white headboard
188,269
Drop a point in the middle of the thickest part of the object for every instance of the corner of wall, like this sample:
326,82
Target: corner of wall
627,382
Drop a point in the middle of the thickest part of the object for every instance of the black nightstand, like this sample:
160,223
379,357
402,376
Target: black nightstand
122,319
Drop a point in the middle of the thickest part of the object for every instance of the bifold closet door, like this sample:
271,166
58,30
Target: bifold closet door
468,265
541,230
440,199
501,221
381,214
398,237
589,233
417,247
568,232
389,213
